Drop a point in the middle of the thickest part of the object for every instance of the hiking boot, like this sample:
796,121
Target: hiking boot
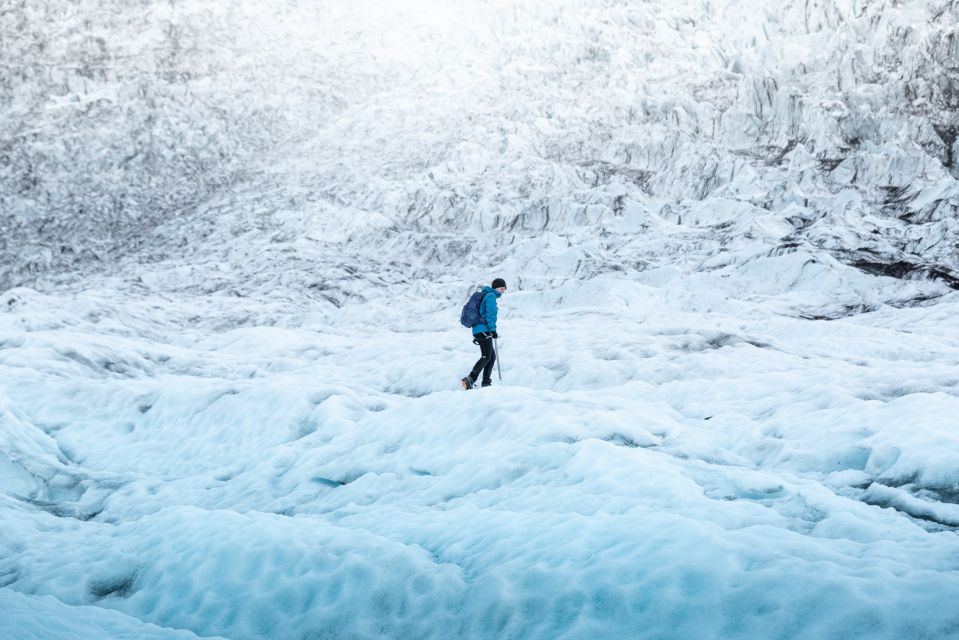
467,383
487,383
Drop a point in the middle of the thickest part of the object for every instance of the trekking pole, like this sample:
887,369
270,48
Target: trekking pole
499,371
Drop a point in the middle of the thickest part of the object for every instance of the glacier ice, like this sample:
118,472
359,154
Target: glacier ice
235,239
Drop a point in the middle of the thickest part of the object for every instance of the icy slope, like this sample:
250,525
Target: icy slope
475,130
643,472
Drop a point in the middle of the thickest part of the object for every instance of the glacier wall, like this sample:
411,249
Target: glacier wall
553,140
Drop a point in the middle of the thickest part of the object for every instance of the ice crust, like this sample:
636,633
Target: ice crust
656,473
236,237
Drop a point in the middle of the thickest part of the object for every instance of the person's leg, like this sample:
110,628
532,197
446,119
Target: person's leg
486,350
488,369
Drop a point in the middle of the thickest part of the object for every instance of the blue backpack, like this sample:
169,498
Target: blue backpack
470,316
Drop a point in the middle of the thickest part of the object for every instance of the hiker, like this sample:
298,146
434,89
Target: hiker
483,335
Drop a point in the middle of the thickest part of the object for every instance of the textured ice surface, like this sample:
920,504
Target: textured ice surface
563,138
643,471
234,244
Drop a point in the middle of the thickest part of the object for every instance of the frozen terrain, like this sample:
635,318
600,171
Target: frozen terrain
236,237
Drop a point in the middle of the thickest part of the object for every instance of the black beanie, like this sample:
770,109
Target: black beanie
499,282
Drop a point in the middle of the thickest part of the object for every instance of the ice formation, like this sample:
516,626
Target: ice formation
235,239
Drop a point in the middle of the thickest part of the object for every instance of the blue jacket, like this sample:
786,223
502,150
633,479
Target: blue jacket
487,310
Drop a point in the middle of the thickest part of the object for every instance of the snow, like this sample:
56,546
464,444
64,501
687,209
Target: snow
642,470
236,238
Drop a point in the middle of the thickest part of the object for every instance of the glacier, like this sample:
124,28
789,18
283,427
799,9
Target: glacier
236,237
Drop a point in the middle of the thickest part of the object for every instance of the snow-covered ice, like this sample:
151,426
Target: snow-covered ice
236,238
642,471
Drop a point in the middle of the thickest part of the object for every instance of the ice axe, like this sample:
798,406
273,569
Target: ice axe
499,371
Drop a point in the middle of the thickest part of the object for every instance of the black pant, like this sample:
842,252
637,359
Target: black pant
487,358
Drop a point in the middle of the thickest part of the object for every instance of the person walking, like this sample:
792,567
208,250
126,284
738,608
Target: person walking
483,335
